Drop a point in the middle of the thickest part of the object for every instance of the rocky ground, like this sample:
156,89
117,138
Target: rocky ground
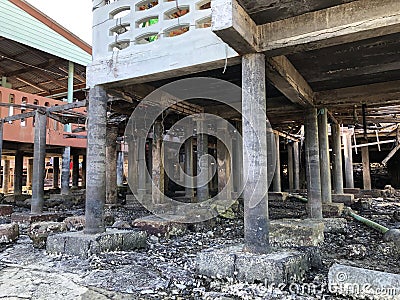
166,269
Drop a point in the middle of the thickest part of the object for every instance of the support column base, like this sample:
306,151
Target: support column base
85,245
157,225
347,199
277,196
330,210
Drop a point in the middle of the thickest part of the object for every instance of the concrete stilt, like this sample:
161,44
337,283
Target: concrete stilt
224,163
337,160
256,219
237,166
111,165
120,168
157,164
290,166
202,165
96,161
141,168
348,161
39,155
75,171
277,176
18,172
366,168
56,172
6,176
83,171
325,165
314,205
189,191
296,166
65,171
29,173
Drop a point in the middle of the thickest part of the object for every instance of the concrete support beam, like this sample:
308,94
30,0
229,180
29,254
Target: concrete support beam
296,165
277,186
6,176
290,166
96,161
18,172
256,219
314,205
366,168
75,171
65,171
224,163
120,168
157,164
202,164
348,161
189,192
111,165
56,172
39,155
337,159
325,165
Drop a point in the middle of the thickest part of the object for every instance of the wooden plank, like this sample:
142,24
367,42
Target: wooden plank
390,155
68,106
19,116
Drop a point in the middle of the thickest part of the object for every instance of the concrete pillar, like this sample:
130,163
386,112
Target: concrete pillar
6,176
237,165
141,167
39,156
111,165
120,168
314,205
348,160
96,161
18,172
324,160
56,172
83,171
290,166
277,176
256,219
75,171
337,160
29,176
224,163
366,168
189,191
157,164
296,166
202,165
65,171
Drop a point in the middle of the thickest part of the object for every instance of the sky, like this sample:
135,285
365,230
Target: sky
74,15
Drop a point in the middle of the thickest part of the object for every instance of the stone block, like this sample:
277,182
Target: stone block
217,262
335,225
26,218
332,209
359,283
277,196
39,232
165,225
347,199
354,191
8,233
75,223
295,232
6,210
84,245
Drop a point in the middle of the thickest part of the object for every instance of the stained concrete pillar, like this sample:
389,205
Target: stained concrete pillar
324,160
202,164
65,171
96,161
348,160
6,176
337,159
237,165
75,171
83,171
290,166
39,156
277,176
120,168
157,164
366,168
111,165
141,167
189,190
29,176
56,172
314,205
256,219
18,172
224,164
296,166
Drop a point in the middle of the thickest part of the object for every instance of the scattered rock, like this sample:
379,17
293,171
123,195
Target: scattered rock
39,232
75,223
121,225
9,233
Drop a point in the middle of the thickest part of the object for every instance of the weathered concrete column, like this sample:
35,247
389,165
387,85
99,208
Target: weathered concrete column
29,176
314,205
189,192
202,165
348,160
157,164
83,171
56,172
290,166
120,168
18,172
39,156
366,168
96,161
111,165
277,176
324,160
337,160
224,163
140,167
75,171
237,165
296,166
6,176
65,171
256,219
